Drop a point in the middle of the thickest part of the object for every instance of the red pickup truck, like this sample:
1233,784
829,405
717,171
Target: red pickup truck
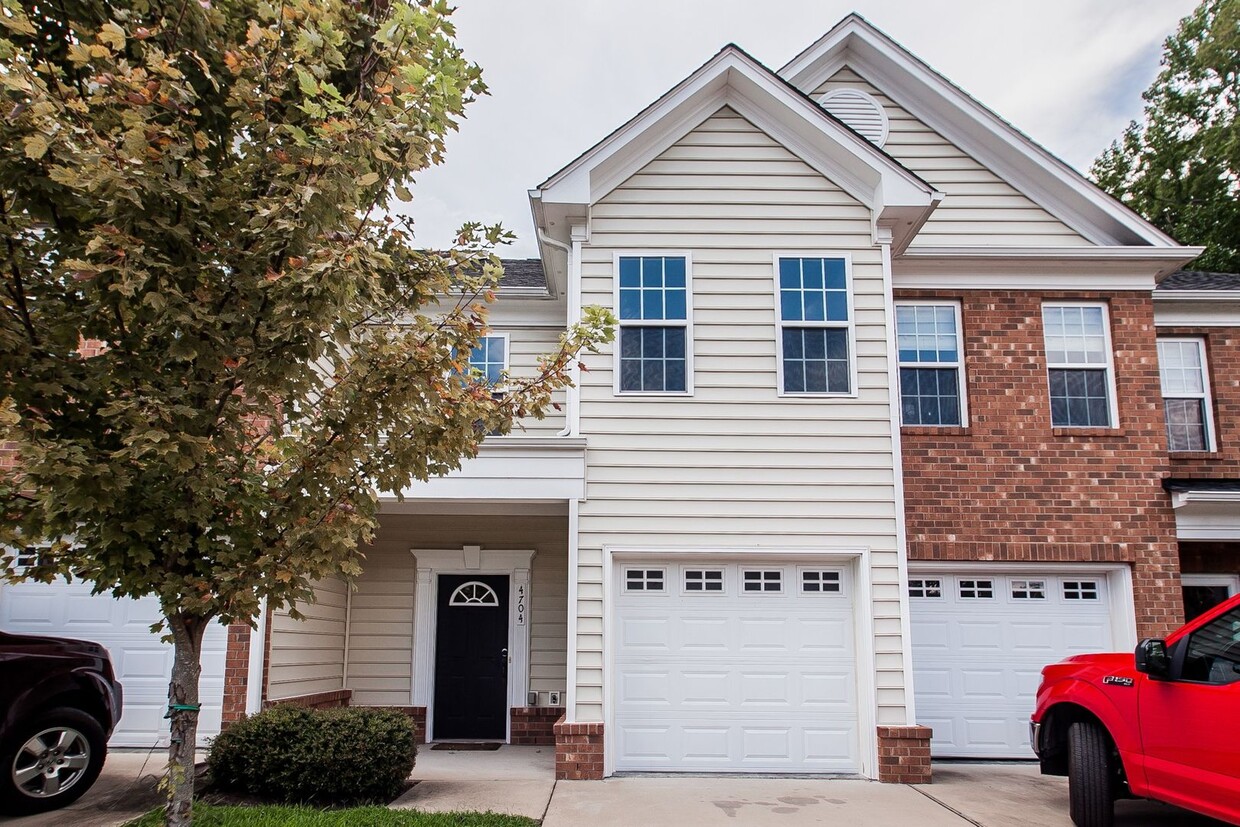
1163,725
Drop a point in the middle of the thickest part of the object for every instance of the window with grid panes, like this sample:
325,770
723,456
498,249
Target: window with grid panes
1078,360
1186,395
654,324
814,325
931,366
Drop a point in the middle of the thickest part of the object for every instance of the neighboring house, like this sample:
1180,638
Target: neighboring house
885,429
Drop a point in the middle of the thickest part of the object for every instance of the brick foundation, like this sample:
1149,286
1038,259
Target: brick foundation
236,674
578,751
534,726
904,754
332,699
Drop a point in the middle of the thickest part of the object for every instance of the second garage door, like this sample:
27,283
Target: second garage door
738,667
980,640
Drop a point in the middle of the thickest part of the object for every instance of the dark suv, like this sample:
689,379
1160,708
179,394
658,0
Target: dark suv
59,702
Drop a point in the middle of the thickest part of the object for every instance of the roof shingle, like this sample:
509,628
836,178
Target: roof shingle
1200,280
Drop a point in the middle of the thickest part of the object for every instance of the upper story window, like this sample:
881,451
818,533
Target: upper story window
1186,394
1078,361
931,365
815,325
655,302
490,358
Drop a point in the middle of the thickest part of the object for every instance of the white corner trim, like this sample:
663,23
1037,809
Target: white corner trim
570,678
430,563
254,666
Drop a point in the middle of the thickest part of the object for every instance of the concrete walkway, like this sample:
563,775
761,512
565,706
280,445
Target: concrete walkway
519,781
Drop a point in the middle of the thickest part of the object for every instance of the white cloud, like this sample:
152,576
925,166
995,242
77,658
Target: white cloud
565,73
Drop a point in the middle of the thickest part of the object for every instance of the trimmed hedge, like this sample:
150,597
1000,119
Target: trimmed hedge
319,756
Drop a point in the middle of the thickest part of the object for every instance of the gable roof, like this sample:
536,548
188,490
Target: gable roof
961,119
899,199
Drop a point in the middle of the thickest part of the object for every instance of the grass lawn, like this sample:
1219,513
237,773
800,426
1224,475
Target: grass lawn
208,815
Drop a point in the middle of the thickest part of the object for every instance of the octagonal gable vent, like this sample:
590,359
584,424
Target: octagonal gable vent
860,111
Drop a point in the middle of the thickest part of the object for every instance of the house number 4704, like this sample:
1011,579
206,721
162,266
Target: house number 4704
520,605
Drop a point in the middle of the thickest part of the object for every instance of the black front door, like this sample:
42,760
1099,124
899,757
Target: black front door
471,657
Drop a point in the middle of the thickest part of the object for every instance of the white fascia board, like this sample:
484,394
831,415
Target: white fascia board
1038,268
1206,515
959,118
1196,308
734,79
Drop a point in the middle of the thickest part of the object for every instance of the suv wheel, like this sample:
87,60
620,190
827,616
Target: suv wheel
50,761
1091,791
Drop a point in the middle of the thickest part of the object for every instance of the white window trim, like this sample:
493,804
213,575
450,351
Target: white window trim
1112,396
1206,396
763,592
684,583
840,581
623,323
1231,582
961,387
624,580
850,325
507,357
943,586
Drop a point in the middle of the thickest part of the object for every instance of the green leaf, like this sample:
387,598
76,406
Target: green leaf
369,179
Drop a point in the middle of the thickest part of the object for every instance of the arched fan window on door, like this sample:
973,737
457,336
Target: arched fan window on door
473,593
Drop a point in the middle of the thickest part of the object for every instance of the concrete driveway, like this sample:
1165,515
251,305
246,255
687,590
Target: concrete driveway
519,780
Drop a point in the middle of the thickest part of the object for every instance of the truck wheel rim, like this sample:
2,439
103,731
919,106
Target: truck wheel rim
51,762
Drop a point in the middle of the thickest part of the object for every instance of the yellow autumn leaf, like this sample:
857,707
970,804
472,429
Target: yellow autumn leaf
36,146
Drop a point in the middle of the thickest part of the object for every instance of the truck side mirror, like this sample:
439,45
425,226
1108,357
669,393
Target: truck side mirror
1152,658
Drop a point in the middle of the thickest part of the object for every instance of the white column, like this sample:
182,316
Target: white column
519,652
423,643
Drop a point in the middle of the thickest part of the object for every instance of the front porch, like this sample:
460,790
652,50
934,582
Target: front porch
444,584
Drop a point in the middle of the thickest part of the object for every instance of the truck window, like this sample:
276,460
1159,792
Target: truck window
1213,654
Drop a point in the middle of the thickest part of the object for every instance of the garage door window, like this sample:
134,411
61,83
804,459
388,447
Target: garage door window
925,588
816,581
704,581
1080,590
764,581
977,589
643,580
1028,589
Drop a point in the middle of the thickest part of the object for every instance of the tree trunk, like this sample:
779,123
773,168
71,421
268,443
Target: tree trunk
187,632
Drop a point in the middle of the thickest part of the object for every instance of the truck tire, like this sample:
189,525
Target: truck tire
1091,788
50,761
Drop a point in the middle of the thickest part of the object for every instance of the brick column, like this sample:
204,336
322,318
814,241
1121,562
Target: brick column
904,754
578,751
535,725
236,673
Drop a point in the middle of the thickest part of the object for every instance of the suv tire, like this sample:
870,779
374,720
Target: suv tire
50,761
1091,789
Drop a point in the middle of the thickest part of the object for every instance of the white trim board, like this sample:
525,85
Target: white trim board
430,563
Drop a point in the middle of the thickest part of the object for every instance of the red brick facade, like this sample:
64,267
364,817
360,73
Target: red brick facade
1010,487
236,673
534,726
578,751
904,754
331,699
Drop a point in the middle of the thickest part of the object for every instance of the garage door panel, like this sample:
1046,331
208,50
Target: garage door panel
142,662
748,682
978,661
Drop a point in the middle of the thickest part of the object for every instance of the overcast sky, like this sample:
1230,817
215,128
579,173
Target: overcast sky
565,73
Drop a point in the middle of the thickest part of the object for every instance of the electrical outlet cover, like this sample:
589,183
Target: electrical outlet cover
554,698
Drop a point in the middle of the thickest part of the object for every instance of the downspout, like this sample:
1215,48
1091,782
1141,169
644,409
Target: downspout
573,256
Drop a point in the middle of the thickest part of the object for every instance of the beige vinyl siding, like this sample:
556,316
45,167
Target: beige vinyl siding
308,655
381,638
980,208
525,345
735,465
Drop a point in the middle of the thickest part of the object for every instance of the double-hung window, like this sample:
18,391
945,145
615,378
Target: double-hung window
1186,394
1078,361
489,359
653,297
815,325
931,366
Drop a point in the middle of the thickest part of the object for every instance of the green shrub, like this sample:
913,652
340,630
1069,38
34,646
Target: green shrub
327,756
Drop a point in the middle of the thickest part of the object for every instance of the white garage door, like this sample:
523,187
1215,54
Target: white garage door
141,661
744,667
980,640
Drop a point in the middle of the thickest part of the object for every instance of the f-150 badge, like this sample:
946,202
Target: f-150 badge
1116,680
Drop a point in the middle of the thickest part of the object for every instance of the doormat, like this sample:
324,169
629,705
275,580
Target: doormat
468,746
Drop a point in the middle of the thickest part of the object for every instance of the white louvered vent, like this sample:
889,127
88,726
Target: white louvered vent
860,111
